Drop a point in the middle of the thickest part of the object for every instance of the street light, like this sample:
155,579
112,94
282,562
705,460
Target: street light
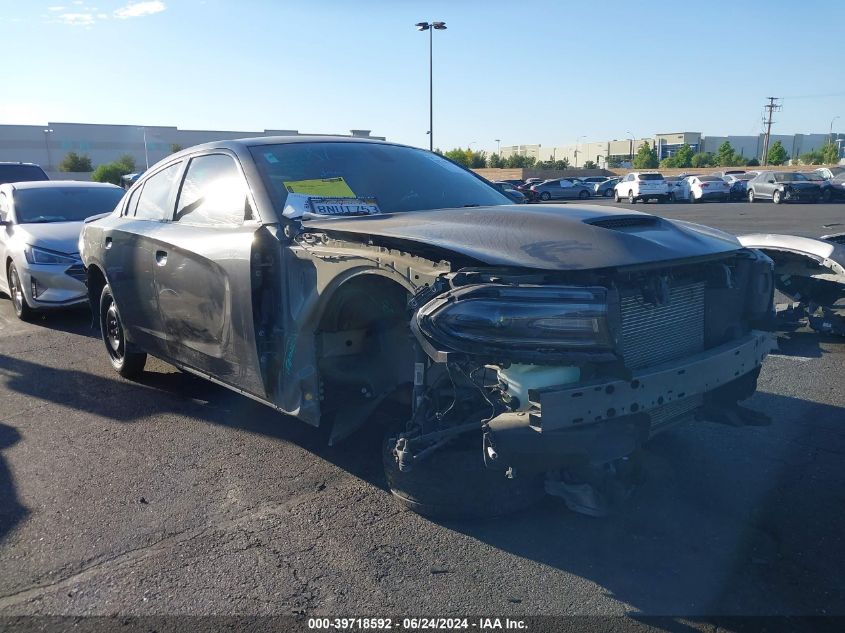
631,136
830,132
498,146
47,147
576,149
431,27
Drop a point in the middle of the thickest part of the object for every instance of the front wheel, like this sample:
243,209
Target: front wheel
22,309
631,198
608,193
692,199
616,197
127,362
751,198
826,196
584,195
777,197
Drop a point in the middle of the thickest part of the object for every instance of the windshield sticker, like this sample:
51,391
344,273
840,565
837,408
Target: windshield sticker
326,187
299,205
270,157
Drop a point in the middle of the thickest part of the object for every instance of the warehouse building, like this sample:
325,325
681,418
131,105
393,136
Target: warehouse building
48,144
623,150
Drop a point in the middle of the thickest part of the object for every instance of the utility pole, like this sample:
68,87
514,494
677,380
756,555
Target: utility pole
770,107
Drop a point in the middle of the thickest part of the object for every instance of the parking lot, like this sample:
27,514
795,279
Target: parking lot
174,496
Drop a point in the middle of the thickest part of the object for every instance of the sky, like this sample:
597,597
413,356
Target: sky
537,71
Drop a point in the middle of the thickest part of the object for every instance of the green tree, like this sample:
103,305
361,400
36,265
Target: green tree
813,157
111,172
128,161
703,159
829,154
752,162
561,163
590,165
669,162
175,147
777,154
646,157
683,157
74,162
495,161
518,161
477,160
458,155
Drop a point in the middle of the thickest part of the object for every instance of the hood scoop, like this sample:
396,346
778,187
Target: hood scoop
624,223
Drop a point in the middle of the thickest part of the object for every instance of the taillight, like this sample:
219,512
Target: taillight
704,185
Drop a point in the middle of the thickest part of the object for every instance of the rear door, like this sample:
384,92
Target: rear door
565,189
204,281
132,252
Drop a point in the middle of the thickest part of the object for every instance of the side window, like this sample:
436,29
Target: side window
132,203
565,184
153,201
4,207
213,192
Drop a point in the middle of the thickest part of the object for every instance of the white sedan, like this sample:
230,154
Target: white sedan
708,188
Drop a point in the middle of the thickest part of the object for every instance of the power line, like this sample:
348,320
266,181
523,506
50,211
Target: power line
770,107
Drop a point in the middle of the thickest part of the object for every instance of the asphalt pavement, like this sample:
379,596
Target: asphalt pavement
173,496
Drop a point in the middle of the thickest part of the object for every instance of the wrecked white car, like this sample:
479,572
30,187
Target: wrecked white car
810,272
503,349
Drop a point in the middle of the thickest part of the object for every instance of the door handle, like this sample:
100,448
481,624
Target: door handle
161,258
108,243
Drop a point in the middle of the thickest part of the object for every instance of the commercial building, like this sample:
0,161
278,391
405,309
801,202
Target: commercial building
622,150
48,144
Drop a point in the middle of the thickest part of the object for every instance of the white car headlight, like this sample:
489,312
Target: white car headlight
36,255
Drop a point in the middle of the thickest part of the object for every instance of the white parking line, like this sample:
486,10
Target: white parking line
800,359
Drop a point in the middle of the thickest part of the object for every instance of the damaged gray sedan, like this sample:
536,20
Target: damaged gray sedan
503,350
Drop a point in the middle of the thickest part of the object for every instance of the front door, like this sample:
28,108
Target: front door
204,284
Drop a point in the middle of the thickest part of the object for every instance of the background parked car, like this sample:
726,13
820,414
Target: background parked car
562,188
677,187
831,188
21,172
41,221
525,189
738,185
605,188
829,173
782,186
642,186
510,191
708,188
592,180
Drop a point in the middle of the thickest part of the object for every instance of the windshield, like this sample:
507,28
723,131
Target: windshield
21,173
400,179
64,204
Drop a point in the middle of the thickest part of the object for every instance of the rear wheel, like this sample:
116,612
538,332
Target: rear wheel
751,197
22,309
608,193
777,197
545,196
125,360
826,195
692,199
584,195
631,198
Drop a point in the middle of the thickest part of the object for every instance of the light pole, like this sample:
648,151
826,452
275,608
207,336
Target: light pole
146,156
576,150
830,132
47,132
431,27
631,136
498,146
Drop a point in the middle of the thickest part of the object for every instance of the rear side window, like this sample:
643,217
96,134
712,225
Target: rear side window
153,203
213,192
132,204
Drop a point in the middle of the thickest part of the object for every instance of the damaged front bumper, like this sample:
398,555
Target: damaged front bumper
605,420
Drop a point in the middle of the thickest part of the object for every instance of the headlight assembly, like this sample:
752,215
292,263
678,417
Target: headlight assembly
489,318
35,255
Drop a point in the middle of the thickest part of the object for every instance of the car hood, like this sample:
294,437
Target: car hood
575,237
62,237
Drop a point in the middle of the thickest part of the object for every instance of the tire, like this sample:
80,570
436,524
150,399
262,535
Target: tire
453,483
616,197
751,197
670,197
777,197
631,198
545,196
608,193
125,360
584,195
16,294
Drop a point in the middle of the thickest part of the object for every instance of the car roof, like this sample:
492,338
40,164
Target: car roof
13,162
51,184
240,144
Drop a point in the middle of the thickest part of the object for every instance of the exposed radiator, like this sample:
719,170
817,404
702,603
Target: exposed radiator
657,334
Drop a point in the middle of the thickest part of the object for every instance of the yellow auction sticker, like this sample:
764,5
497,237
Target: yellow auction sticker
325,187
